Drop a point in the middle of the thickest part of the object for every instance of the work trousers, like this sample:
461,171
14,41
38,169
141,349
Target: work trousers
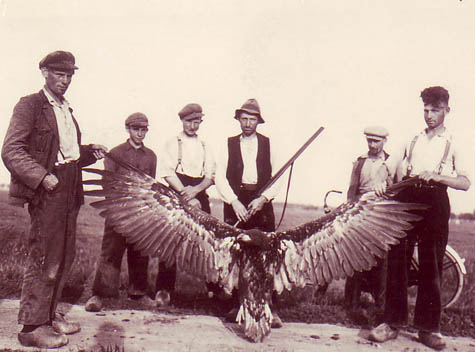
167,275
51,246
431,233
107,280
372,281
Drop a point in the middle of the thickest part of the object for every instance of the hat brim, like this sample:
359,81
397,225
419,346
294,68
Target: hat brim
251,112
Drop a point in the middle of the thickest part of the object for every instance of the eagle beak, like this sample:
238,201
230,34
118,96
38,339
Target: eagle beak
244,238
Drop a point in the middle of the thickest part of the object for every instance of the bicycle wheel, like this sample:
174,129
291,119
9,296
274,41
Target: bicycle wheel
452,280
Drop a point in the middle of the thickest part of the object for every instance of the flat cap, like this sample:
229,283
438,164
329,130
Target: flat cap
251,107
59,60
376,132
191,111
137,119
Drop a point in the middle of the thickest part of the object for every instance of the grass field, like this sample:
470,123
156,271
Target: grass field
299,305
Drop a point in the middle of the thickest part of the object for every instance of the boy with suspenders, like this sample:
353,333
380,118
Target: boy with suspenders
188,166
432,157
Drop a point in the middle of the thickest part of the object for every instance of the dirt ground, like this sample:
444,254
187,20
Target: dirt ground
134,330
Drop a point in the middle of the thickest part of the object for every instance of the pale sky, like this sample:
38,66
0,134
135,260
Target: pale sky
340,65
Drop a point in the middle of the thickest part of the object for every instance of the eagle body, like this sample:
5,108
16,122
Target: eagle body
159,222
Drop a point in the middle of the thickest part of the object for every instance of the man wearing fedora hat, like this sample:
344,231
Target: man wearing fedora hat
370,170
43,152
188,166
107,279
241,173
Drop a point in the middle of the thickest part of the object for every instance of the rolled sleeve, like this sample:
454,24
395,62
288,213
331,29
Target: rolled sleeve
169,158
225,191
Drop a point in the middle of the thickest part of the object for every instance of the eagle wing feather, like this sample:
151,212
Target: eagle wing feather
348,239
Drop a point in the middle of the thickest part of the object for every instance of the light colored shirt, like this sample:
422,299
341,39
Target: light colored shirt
375,171
427,155
197,159
249,176
68,135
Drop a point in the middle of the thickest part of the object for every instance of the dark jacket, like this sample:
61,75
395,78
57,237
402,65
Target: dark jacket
31,146
235,166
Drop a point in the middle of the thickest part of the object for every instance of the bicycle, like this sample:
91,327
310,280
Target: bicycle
453,269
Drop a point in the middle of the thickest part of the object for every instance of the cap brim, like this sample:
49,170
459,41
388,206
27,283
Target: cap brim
62,67
192,116
373,137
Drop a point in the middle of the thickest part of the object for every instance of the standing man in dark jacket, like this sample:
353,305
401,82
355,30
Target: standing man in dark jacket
43,152
107,280
242,173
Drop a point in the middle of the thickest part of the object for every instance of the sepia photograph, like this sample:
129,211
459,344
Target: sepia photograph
284,175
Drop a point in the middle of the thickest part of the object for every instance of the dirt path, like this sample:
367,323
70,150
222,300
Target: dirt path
154,331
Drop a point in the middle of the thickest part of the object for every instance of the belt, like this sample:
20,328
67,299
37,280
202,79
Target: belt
248,186
432,185
65,162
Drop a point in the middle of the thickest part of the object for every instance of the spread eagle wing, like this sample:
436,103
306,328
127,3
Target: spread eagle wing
158,222
348,239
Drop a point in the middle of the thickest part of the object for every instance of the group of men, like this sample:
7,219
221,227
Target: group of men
43,152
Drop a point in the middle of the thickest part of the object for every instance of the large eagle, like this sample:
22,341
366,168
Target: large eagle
158,222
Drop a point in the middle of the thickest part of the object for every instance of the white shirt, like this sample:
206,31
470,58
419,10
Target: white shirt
197,158
249,176
428,153
68,135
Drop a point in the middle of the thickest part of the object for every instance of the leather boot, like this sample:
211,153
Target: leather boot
43,336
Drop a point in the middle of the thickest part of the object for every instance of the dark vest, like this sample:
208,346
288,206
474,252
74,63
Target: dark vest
353,190
236,166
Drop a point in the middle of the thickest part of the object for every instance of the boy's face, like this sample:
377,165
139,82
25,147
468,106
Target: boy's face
137,133
434,114
191,125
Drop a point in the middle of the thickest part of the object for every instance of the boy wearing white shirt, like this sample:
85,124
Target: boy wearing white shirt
188,166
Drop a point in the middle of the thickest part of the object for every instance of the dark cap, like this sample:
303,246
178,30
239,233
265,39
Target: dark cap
191,111
136,119
376,132
251,107
59,60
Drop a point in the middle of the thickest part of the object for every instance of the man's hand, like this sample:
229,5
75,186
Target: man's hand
195,203
99,151
189,192
380,189
256,205
49,182
240,211
429,176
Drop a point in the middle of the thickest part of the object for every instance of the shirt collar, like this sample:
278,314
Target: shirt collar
130,146
183,135
443,134
246,138
381,155
52,101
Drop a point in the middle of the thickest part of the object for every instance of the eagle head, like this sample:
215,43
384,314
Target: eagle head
255,238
